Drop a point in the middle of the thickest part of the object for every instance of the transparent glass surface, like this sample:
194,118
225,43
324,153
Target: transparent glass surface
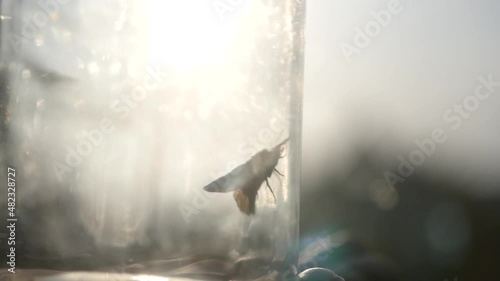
150,139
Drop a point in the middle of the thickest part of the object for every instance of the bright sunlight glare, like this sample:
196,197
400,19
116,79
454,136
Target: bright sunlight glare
183,35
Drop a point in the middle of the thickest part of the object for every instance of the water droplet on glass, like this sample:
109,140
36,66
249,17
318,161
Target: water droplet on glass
40,104
386,197
54,16
39,40
26,74
93,68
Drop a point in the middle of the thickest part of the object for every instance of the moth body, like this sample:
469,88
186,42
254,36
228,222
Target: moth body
246,179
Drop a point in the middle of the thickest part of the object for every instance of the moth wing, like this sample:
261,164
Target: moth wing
245,200
238,178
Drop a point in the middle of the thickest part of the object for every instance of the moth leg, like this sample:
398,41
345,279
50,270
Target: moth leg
272,192
276,170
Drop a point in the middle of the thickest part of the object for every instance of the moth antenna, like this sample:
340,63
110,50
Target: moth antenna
283,149
272,192
284,156
281,143
276,170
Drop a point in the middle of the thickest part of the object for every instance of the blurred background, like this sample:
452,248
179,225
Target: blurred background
370,98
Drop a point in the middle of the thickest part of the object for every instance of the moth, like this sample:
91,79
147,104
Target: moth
246,179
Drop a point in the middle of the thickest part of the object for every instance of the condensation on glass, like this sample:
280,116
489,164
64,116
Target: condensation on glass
116,114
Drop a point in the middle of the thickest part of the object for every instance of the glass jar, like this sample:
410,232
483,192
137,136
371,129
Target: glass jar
152,138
